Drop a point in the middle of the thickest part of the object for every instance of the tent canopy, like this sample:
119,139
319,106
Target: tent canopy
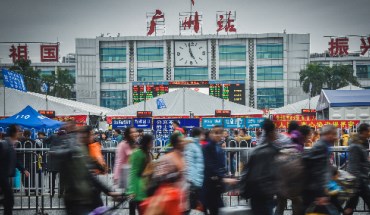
343,98
30,118
296,108
180,102
16,100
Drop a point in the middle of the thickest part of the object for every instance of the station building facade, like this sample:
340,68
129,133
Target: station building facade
108,68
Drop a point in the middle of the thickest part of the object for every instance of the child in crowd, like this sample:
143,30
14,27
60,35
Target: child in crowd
334,189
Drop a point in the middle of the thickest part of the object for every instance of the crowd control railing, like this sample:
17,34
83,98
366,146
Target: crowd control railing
43,190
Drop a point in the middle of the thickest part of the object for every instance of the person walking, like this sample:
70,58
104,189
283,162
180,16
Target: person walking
8,164
123,152
317,168
214,172
359,166
259,177
194,167
139,160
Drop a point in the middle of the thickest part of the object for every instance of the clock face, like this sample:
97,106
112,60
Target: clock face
191,53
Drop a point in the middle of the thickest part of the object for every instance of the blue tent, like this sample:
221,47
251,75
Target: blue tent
30,118
343,98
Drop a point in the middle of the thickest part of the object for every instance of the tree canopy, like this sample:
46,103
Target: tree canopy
321,76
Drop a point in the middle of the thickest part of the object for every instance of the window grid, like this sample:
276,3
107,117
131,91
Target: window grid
191,73
113,99
149,54
270,98
268,51
116,54
113,75
270,73
232,52
363,71
232,73
150,74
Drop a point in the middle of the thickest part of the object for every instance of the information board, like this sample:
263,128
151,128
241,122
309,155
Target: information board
153,89
234,123
253,122
143,123
211,122
233,91
163,127
121,123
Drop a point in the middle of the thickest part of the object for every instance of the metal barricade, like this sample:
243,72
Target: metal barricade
43,190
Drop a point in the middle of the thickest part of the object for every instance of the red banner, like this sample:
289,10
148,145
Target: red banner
79,119
283,124
290,117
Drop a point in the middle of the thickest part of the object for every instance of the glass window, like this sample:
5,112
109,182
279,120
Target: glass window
113,99
116,54
270,98
113,75
150,54
363,71
233,73
232,52
149,74
47,72
269,51
191,73
270,73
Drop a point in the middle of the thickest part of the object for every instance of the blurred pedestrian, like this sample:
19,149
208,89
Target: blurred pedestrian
259,181
117,134
194,167
28,160
8,164
230,142
139,160
214,172
291,171
317,168
123,153
359,166
177,128
244,139
344,138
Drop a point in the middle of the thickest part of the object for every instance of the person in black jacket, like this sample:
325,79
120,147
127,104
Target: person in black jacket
259,176
8,163
214,172
318,168
359,166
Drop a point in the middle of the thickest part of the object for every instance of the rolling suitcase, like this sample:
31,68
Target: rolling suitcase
236,210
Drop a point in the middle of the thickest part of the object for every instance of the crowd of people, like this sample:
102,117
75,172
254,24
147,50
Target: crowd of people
194,170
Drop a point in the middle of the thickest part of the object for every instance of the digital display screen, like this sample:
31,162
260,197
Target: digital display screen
233,91
153,89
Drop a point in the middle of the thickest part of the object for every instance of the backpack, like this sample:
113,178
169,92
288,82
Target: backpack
348,184
290,173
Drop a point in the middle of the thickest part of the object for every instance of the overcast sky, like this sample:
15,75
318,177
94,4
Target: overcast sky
65,20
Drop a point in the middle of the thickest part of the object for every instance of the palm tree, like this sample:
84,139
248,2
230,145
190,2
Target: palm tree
322,76
313,75
340,76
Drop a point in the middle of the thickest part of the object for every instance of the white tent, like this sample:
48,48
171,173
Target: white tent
16,101
296,108
182,101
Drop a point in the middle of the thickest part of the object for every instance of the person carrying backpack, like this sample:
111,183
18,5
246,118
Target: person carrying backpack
259,177
290,170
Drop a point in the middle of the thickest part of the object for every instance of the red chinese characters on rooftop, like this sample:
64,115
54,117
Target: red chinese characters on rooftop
365,45
191,22
338,46
225,21
49,53
18,53
156,20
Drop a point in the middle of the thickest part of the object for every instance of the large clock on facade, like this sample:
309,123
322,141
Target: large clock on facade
191,53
